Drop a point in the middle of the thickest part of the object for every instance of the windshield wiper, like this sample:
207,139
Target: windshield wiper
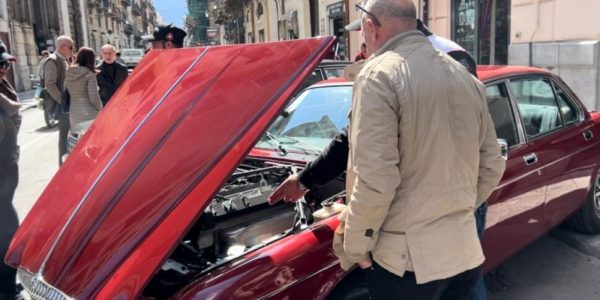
272,137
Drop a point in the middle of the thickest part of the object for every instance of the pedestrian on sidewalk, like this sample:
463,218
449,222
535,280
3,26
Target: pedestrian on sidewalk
362,54
55,71
40,70
83,88
10,121
111,75
119,59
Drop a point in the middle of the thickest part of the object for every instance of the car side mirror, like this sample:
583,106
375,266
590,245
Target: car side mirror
503,148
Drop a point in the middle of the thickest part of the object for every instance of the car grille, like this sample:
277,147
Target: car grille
37,289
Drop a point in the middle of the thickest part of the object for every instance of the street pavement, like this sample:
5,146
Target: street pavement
562,265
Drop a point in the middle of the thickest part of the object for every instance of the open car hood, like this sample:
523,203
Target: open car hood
152,161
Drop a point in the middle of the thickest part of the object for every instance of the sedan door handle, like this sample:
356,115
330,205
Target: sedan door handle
530,159
588,135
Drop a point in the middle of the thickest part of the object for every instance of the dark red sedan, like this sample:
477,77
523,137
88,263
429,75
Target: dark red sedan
165,196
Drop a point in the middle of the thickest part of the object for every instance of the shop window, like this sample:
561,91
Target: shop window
482,27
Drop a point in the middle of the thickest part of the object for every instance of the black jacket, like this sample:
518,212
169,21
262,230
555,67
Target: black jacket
10,121
109,79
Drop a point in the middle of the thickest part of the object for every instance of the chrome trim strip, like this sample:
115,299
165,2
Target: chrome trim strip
114,158
516,112
284,287
543,167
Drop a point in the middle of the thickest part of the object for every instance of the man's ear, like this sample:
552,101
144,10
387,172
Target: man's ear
370,26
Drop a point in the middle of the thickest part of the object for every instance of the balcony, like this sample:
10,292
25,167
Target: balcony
126,3
135,10
116,13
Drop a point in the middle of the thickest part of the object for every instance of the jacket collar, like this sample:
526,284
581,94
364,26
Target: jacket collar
399,39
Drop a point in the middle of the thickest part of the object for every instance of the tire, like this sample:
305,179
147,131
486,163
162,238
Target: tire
587,218
352,287
50,110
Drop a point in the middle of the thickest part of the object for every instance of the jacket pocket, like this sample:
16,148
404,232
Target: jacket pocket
391,251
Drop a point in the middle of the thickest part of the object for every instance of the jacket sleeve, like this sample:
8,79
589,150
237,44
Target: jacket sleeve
93,95
491,163
329,165
50,77
375,161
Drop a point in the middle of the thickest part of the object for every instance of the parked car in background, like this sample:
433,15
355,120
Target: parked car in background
166,195
132,56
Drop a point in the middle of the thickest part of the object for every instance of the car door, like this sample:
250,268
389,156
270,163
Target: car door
571,153
515,213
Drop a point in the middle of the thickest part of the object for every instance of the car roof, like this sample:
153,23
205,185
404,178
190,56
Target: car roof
485,73
491,72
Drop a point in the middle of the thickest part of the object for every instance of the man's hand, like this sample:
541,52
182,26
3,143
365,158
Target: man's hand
288,191
365,264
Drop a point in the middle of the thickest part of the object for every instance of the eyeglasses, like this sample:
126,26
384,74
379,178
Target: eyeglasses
359,8
5,64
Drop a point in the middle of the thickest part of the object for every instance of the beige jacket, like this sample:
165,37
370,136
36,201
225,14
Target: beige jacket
85,98
423,155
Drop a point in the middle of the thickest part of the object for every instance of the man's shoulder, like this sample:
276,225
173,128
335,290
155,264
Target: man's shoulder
386,62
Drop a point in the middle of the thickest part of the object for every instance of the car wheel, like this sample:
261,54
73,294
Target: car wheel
352,287
587,218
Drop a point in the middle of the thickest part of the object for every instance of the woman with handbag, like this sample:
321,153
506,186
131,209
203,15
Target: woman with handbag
82,87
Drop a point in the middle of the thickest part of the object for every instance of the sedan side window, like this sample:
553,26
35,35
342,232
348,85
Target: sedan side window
569,110
538,106
501,112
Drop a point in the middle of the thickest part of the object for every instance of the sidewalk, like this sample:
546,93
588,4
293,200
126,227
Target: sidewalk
27,99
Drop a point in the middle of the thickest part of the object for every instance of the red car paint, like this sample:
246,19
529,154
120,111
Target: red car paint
149,187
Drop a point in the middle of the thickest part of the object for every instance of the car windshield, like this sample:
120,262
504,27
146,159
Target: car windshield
310,122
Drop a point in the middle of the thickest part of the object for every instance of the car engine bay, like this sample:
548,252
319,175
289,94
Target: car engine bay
239,220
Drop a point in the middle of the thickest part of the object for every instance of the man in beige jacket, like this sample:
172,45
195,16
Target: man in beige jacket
423,155
55,69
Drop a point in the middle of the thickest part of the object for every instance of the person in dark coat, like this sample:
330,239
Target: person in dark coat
10,121
112,73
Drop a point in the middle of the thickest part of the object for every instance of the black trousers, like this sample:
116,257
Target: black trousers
385,285
9,221
63,133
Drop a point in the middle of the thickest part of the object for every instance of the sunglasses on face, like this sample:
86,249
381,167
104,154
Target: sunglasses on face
360,8
5,64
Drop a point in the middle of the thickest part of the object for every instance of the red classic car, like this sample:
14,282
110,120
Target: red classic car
165,196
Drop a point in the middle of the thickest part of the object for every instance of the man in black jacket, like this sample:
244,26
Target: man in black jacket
112,73
10,121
